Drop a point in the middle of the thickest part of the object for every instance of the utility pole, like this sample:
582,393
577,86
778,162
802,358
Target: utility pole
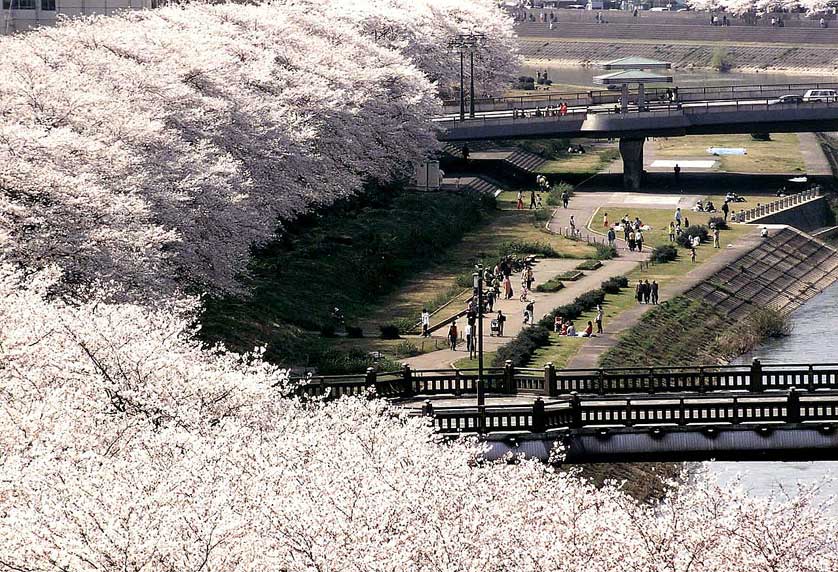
463,43
481,388
462,88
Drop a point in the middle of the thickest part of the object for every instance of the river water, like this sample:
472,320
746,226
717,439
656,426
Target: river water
813,339
583,77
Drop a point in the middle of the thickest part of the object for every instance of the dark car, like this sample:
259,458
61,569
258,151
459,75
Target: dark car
792,98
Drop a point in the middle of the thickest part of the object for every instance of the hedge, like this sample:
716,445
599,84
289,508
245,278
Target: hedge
665,253
685,239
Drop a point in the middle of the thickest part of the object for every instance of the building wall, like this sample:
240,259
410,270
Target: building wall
17,20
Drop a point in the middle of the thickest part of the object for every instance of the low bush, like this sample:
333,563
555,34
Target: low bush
569,275
665,253
521,247
554,197
552,285
540,216
354,332
336,362
406,325
614,284
389,331
589,265
719,222
687,235
605,252
406,349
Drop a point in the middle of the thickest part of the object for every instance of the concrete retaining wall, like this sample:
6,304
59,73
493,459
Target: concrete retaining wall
808,216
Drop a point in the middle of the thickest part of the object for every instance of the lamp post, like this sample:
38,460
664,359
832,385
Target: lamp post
467,43
481,395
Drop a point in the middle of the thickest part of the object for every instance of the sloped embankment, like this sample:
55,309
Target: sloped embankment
743,303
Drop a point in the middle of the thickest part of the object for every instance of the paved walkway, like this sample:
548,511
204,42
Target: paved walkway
813,155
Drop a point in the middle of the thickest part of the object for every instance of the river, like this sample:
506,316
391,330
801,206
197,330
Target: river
813,339
582,77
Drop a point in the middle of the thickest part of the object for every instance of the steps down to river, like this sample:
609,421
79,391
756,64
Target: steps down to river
782,272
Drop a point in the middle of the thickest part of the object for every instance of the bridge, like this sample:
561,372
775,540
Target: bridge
752,412
597,114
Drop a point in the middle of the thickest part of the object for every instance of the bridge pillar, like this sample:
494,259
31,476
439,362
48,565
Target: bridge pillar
631,150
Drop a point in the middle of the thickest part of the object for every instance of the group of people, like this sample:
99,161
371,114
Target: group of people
535,201
632,232
558,110
566,328
646,293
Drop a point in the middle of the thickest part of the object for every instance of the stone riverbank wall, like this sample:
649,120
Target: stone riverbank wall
808,216
781,272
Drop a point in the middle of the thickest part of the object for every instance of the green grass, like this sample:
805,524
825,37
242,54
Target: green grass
589,265
552,285
560,351
780,155
595,160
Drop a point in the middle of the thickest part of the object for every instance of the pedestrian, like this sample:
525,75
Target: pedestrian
532,200
490,299
612,237
678,216
529,277
631,241
538,203
692,254
686,222
716,235
452,336
572,226
598,318
565,198
671,231
638,240
528,312
426,323
654,292
557,324
466,152
638,291
647,292
605,220
520,204
725,210
500,320
470,341
507,288
677,170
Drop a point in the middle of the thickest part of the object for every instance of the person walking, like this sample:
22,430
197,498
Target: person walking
638,240
638,291
692,254
647,292
671,231
605,220
500,319
631,240
472,352
678,216
716,237
677,170
654,287
452,336
612,237
519,205
572,226
565,198
598,319
426,323
532,200
725,210
490,299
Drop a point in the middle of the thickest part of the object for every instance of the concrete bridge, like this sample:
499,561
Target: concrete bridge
698,111
760,411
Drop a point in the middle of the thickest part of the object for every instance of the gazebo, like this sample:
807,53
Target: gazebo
633,70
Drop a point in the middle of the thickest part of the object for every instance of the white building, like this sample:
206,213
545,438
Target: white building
21,15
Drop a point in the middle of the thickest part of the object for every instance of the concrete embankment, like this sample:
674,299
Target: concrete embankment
809,216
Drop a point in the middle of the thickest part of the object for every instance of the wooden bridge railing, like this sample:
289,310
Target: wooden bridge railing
577,412
549,381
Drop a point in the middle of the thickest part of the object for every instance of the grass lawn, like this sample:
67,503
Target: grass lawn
468,363
780,155
596,159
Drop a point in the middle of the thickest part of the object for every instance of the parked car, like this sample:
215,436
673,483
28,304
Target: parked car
789,99
825,95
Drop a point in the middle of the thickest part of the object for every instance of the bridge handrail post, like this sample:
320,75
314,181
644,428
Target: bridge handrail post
756,377
575,410
629,409
652,380
509,377
601,381
735,420
811,378
702,388
550,379
428,408
458,385
682,412
793,406
539,420
407,380
369,380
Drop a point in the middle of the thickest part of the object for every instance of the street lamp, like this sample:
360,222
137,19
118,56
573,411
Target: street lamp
481,396
467,43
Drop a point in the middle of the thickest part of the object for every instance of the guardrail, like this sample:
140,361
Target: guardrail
549,381
780,204
786,407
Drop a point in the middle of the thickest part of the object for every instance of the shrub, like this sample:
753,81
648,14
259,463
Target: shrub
465,280
336,362
687,235
327,331
589,265
614,284
552,285
406,349
720,60
405,325
540,215
605,252
521,348
665,253
389,331
554,197
719,222
354,332
525,247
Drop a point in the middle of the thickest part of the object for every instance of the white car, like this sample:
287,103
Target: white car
826,95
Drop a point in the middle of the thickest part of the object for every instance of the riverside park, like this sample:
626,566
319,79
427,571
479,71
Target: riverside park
419,285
